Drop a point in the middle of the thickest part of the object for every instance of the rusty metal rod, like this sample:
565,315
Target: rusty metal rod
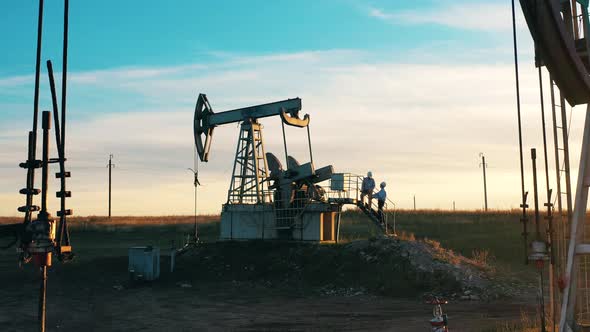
42,298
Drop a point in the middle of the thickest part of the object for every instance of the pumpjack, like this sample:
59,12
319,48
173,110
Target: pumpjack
269,200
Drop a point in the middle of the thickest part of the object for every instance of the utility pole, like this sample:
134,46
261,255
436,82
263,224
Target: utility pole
414,202
485,188
110,166
453,206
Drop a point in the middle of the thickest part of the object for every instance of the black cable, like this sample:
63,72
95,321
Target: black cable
523,193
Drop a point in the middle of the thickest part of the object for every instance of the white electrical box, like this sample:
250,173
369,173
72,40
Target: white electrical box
144,263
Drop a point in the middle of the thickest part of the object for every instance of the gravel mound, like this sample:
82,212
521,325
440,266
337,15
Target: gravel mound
385,266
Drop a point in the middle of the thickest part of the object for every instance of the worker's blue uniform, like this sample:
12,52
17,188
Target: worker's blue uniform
381,196
367,188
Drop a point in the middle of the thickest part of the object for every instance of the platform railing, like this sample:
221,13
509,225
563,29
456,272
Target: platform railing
345,188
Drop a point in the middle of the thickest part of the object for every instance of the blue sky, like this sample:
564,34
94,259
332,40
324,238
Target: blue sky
109,34
413,90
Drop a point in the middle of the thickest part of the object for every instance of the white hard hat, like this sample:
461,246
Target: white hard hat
369,174
383,184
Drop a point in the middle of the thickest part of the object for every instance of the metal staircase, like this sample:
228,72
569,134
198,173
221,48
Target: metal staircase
374,216
346,189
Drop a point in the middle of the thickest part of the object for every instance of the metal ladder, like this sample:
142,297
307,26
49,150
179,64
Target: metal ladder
373,214
576,295
563,217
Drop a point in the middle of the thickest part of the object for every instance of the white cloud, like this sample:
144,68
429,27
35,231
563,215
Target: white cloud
483,16
16,80
419,126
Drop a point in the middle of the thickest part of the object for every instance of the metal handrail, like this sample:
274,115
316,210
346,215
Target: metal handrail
351,189
385,208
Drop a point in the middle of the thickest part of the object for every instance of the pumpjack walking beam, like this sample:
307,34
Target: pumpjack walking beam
206,120
250,164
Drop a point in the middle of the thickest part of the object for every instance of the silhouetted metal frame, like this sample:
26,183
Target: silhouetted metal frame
557,49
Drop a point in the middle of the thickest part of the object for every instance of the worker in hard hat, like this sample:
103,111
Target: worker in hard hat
381,196
367,188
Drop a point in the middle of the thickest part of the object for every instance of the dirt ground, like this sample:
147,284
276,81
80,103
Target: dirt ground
95,295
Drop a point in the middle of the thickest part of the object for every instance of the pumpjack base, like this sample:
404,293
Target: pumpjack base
317,223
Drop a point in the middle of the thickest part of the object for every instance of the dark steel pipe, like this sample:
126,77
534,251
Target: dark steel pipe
524,219
38,67
64,76
285,144
110,182
544,134
30,176
485,185
523,205
55,109
33,137
43,215
549,217
62,224
46,125
196,183
42,298
536,195
309,143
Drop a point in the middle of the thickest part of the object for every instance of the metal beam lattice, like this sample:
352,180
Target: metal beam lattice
574,310
250,167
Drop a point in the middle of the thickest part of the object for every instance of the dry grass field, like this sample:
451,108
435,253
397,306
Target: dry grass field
94,293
